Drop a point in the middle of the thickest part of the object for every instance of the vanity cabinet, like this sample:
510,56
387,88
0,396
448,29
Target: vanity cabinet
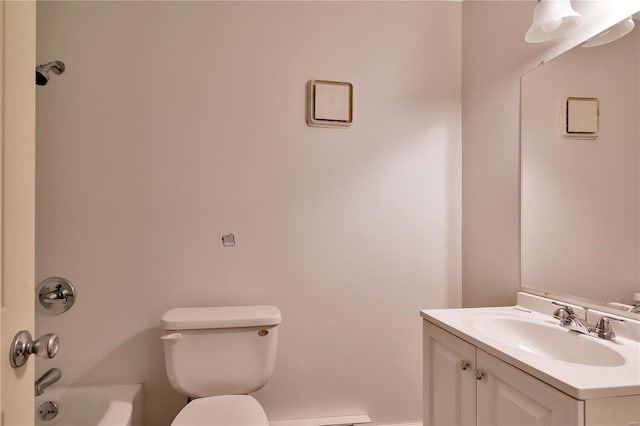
464,385
622,410
449,385
509,396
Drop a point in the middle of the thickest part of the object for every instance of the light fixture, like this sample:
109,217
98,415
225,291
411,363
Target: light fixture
613,33
552,19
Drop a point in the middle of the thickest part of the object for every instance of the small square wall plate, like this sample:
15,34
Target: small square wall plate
581,116
329,103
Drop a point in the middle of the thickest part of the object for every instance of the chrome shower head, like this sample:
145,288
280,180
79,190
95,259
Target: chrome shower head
42,71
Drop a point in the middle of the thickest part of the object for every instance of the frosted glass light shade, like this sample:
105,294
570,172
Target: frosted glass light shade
613,33
552,19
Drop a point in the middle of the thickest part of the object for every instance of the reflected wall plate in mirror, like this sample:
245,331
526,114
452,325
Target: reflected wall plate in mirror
580,117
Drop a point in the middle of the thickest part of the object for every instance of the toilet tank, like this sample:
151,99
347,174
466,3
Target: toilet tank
221,350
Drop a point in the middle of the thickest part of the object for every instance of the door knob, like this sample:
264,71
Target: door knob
22,346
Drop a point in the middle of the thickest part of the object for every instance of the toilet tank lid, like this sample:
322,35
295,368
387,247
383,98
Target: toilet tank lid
220,317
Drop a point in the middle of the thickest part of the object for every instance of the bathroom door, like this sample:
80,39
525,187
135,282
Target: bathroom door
17,199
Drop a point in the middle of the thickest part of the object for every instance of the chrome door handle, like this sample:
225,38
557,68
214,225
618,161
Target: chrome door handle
22,346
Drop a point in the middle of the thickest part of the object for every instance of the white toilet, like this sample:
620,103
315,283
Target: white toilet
219,355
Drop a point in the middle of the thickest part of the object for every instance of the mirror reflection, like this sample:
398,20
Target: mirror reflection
580,137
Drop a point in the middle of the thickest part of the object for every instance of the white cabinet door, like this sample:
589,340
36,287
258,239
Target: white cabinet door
449,388
508,396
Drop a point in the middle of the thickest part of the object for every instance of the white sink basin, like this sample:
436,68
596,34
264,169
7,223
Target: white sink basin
529,338
548,340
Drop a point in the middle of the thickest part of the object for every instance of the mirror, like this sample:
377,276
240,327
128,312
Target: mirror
580,191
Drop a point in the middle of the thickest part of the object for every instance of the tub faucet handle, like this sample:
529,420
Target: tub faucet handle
57,295
49,378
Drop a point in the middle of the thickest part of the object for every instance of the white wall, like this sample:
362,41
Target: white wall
176,123
494,57
580,197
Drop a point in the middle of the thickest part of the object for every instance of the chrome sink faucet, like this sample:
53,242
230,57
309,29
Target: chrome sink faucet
50,377
568,319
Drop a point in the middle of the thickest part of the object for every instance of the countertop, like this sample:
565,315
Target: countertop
577,380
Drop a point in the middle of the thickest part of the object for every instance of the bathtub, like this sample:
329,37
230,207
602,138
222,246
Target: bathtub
93,406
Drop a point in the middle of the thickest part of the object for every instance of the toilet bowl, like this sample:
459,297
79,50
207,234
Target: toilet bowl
224,410
217,356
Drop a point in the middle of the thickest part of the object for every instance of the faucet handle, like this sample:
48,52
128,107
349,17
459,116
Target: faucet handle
603,327
567,308
57,295
565,313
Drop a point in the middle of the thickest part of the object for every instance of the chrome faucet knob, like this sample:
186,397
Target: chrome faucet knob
567,308
57,295
563,315
603,328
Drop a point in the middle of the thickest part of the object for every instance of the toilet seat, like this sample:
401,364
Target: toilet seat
223,410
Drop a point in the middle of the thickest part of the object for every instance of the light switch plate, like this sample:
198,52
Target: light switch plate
329,103
581,117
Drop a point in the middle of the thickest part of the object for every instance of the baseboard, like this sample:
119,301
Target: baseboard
402,424
360,419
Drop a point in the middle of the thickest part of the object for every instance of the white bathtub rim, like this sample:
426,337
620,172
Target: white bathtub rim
121,402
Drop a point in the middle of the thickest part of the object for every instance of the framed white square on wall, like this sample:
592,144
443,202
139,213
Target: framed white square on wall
329,103
581,117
